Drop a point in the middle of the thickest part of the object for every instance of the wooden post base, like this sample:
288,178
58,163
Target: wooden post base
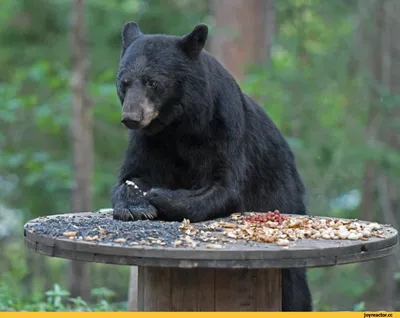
208,289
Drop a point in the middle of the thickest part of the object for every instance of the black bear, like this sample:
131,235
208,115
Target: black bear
199,147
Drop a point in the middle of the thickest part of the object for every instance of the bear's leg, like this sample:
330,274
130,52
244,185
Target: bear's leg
296,295
195,205
129,203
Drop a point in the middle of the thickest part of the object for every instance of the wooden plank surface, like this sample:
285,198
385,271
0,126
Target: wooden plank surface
92,256
303,253
192,289
268,283
206,289
237,277
154,285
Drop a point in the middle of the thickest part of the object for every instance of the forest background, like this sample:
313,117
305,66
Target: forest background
327,72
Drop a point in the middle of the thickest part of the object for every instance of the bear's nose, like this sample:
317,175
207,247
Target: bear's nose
131,121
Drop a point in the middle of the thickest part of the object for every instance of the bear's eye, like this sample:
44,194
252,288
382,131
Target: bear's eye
151,84
125,83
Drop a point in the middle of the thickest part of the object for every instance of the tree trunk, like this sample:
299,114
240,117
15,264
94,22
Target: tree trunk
374,64
244,33
388,183
82,140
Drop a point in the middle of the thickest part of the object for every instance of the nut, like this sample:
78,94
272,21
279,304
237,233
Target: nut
353,236
282,242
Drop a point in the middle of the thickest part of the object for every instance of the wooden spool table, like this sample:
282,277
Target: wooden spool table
237,277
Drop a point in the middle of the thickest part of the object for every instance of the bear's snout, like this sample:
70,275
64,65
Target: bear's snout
140,117
132,120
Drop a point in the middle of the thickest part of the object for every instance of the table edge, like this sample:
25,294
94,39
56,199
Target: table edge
54,251
190,257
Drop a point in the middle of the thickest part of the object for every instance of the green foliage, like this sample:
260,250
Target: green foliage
359,306
306,88
23,284
55,300
35,161
35,115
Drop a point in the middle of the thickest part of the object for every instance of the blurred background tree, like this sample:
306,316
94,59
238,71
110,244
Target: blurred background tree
325,71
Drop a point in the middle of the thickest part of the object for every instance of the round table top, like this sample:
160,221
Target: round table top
97,237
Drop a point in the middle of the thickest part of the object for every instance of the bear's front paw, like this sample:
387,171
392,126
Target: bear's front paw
134,212
171,205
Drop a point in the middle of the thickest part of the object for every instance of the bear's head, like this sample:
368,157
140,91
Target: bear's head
160,77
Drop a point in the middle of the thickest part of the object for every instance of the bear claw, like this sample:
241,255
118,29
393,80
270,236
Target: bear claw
135,213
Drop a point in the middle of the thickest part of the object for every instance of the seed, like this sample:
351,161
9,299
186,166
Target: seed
178,243
366,233
91,238
69,234
282,242
375,226
307,233
353,236
326,235
214,246
316,235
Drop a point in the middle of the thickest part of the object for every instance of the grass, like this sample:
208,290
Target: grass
58,299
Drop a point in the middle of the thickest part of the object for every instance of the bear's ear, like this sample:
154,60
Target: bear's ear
129,33
193,42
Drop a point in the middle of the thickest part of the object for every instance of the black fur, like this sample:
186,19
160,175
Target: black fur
211,151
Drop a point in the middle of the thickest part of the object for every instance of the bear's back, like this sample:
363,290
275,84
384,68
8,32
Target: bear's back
271,165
